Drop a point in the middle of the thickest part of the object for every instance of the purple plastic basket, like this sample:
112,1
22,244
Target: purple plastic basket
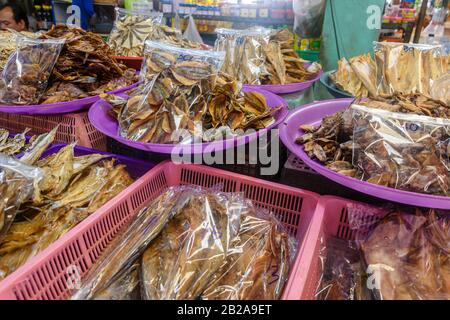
136,168
287,88
313,114
103,122
60,107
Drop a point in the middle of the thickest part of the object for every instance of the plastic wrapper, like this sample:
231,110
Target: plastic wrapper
402,151
406,252
128,246
17,181
309,16
71,188
191,33
131,29
27,72
175,96
124,287
440,90
181,263
342,274
408,68
245,57
259,263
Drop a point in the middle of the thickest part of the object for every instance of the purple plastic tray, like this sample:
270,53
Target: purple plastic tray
287,88
103,122
60,107
136,168
313,114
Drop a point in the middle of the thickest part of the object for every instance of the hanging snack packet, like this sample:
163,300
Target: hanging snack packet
402,151
131,29
26,74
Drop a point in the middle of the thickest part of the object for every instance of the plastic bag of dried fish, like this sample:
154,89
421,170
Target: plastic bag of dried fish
405,251
128,246
408,68
27,72
174,98
245,57
259,261
131,29
17,182
402,151
183,260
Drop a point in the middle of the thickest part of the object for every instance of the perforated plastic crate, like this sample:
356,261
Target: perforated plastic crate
72,127
45,276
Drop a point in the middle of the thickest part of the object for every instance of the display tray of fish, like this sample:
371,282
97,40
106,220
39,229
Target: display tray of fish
83,69
393,147
49,190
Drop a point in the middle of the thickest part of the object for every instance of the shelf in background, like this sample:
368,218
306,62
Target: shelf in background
261,21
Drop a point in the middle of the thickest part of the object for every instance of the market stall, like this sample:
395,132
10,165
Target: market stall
225,150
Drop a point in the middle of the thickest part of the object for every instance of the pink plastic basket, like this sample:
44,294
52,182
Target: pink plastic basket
330,219
45,276
72,127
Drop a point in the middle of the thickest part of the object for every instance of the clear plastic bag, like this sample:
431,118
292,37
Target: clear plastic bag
309,16
26,74
174,98
244,53
128,246
131,29
402,151
181,263
17,182
406,253
440,90
408,68
259,263
191,32
342,274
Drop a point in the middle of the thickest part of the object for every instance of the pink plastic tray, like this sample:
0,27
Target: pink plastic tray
313,114
330,219
44,276
100,119
60,107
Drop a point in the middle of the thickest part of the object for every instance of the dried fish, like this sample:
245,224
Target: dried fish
72,188
130,30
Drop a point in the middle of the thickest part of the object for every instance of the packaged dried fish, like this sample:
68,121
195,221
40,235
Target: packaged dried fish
85,67
182,261
402,151
27,72
342,273
172,36
69,190
356,76
408,68
131,28
406,252
9,44
258,264
132,241
244,53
